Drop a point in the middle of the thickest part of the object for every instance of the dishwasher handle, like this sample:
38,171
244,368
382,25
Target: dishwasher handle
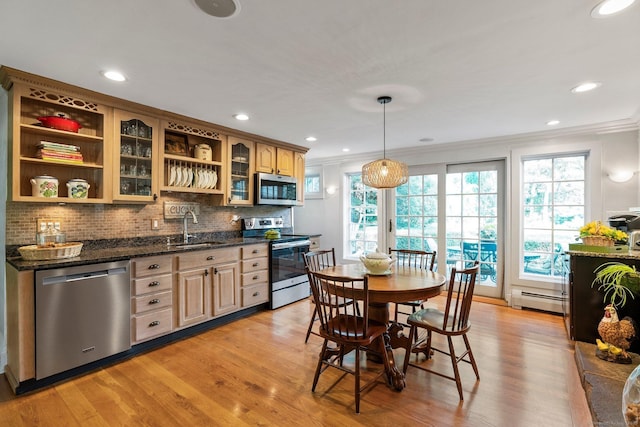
83,276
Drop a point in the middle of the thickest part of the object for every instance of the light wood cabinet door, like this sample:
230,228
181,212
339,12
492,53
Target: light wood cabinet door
226,288
135,177
284,162
193,296
265,158
240,180
298,172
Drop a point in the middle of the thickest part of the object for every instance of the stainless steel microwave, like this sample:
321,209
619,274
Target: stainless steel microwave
275,190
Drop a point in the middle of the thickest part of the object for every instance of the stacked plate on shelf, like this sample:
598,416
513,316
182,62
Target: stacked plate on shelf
190,176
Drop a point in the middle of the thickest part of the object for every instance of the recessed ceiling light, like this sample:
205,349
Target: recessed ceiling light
553,122
345,150
610,7
426,140
311,139
241,116
116,76
586,87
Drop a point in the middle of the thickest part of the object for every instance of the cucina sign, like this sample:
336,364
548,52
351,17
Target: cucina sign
178,209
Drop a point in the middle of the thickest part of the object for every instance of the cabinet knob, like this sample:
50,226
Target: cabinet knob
154,301
154,266
154,283
255,294
215,271
154,323
206,272
255,264
155,196
255,277
255,251
210,258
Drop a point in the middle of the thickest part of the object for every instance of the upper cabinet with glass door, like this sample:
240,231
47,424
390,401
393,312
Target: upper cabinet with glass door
240,183
135,174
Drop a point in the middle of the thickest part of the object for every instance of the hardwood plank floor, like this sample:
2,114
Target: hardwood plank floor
258,371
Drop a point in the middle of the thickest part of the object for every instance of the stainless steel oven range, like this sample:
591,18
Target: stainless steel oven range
287,278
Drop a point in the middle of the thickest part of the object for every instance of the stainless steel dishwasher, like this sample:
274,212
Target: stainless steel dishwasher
82,315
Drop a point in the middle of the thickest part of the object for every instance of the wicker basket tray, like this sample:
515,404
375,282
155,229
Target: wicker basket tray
61,250
597,241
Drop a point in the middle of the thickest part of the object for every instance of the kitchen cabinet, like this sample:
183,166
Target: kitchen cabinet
298,169
135,157
152,297
276,160
587,302
193,159
255,275
36,150
240,181
208,284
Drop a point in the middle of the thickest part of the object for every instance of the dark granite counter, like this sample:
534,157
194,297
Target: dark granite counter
627,254
97,251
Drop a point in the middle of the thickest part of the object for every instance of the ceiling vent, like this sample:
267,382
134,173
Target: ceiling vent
219,8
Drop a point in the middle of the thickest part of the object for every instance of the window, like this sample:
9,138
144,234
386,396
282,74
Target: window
417,213
313,185
553,209
362,233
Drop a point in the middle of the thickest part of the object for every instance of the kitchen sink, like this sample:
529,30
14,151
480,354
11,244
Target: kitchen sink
195,245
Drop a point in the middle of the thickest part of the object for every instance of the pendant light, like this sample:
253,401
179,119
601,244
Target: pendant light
385,173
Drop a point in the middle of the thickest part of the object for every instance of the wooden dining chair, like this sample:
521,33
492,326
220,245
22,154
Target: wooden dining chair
410,258
316,261
349,331
453,321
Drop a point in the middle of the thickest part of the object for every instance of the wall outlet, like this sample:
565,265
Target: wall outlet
43,224
155,224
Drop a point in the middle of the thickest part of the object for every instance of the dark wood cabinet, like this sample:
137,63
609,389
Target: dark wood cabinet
587,302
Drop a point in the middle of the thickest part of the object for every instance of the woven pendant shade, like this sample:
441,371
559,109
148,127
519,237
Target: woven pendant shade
385,173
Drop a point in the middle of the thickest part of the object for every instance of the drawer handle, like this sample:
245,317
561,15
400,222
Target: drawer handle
255,277
255,294
210,258
154,323
255,251
154,301
154,283
154,266
255,264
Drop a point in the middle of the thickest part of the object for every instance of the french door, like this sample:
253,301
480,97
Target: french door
456,210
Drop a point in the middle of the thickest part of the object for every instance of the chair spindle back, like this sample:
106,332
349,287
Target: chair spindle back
459,297
424,260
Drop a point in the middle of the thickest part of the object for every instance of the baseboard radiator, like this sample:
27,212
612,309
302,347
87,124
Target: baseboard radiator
537,300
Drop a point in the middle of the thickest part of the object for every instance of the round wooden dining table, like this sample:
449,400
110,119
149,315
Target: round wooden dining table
402,284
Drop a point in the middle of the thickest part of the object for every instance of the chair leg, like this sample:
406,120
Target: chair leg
454,362
319,367
407,354
357,380
395,315
313,319
471,358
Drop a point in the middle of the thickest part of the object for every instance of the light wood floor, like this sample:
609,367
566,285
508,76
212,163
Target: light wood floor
258,371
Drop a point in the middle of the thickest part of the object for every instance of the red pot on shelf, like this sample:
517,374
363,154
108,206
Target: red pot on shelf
60,122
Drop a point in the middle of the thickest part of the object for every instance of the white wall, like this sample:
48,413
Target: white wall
614,150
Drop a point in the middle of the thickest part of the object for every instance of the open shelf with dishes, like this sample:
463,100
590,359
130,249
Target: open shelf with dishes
57,139
192,160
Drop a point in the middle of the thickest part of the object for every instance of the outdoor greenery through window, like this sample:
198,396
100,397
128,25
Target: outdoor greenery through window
553,210
417,213
363,217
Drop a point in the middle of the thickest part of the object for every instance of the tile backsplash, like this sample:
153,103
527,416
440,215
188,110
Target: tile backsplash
83,222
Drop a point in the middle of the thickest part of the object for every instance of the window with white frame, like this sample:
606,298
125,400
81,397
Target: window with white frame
362,208
553,194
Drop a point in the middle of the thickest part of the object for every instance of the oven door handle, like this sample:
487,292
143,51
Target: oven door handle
286,245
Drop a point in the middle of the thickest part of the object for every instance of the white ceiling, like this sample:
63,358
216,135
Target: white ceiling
457,69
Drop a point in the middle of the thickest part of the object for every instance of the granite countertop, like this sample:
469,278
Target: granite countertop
627,254
97,251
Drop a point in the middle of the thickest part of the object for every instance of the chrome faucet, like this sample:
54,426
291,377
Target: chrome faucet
185,234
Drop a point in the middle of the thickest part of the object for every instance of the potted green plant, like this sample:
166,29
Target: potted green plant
618,281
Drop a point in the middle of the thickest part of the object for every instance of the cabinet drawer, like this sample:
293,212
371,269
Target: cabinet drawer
254,277
152,324
255,251
256,294
255,264
199,259
152,302
152,284
151,265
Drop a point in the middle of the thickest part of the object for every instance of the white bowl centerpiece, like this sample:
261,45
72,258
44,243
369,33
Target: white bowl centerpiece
377,262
